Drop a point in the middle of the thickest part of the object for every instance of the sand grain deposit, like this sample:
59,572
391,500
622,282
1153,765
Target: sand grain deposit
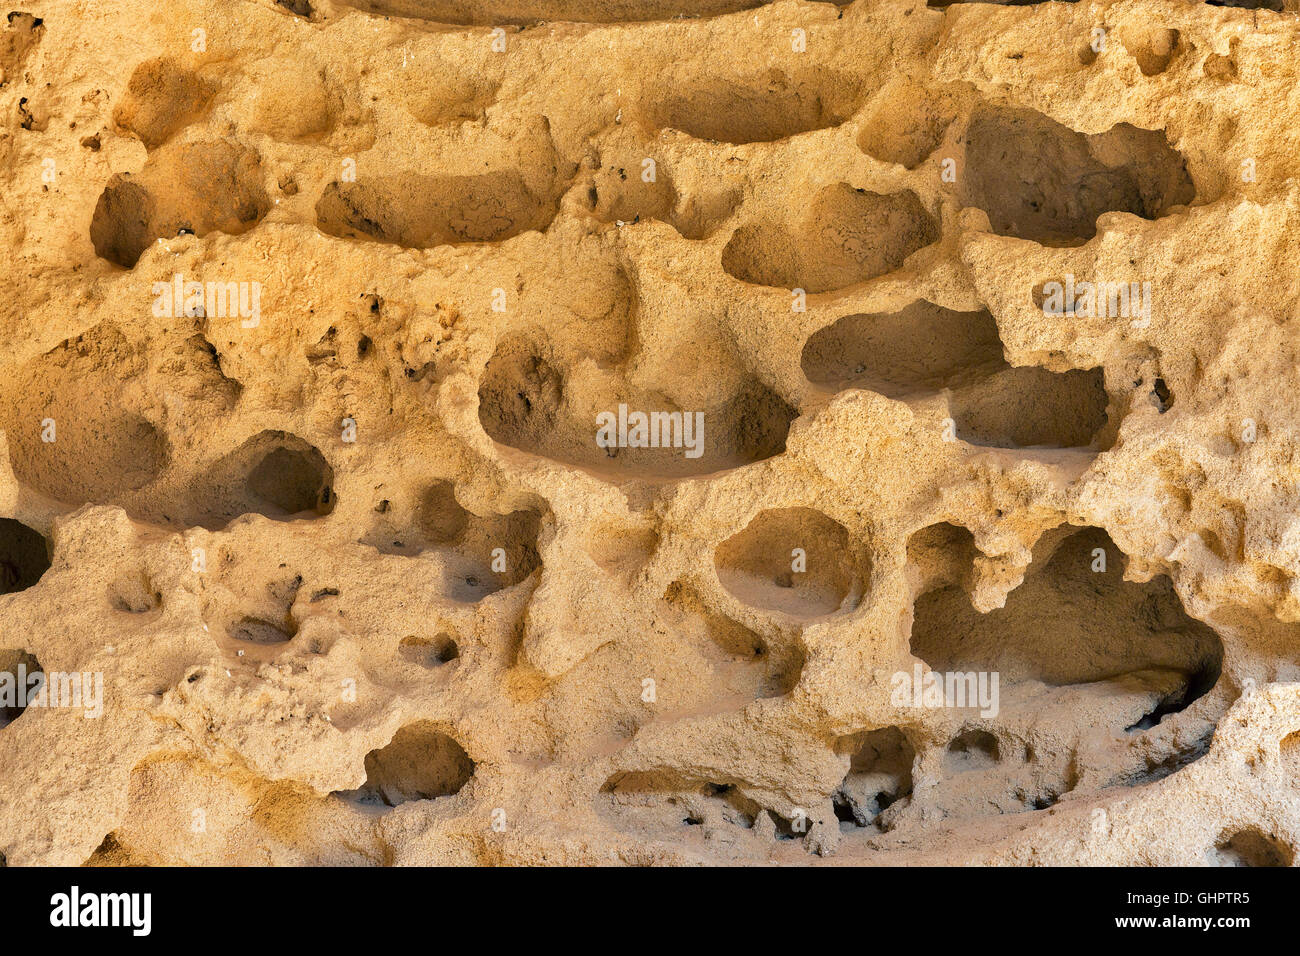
313,310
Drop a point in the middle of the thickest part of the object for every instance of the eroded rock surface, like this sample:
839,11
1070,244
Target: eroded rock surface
363,587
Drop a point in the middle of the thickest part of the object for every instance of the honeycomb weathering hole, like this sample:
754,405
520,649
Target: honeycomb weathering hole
420,212
941,554
162,97
1070,624
1153,47
441,518
843,237
486,553
1031,407
20,677
524,12
676,806
906,126
194,187
1251,846
617,197
1040,180
419,763
621,552
880,775
251,617
288,480
1077,662
133,593
254,630
747,665
796,561
429,651
971,750
921,348
72,434
24,556
274,473
761,108
526,401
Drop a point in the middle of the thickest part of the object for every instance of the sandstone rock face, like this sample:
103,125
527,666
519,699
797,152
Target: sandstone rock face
328,510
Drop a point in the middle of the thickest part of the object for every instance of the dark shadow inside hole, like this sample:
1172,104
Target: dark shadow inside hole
20,676
24,556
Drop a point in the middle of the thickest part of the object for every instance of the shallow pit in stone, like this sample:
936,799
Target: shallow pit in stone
842,237
796,561
759,108
1040,180
73,434
527,12
746,666
420,212
674,806
1250,846
273,473
162,96
905,125
971,750
483,553
939,555
184,187
429,651
921,348
1032,407
526,403
419,763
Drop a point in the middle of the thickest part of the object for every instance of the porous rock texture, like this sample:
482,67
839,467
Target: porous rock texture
364,589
